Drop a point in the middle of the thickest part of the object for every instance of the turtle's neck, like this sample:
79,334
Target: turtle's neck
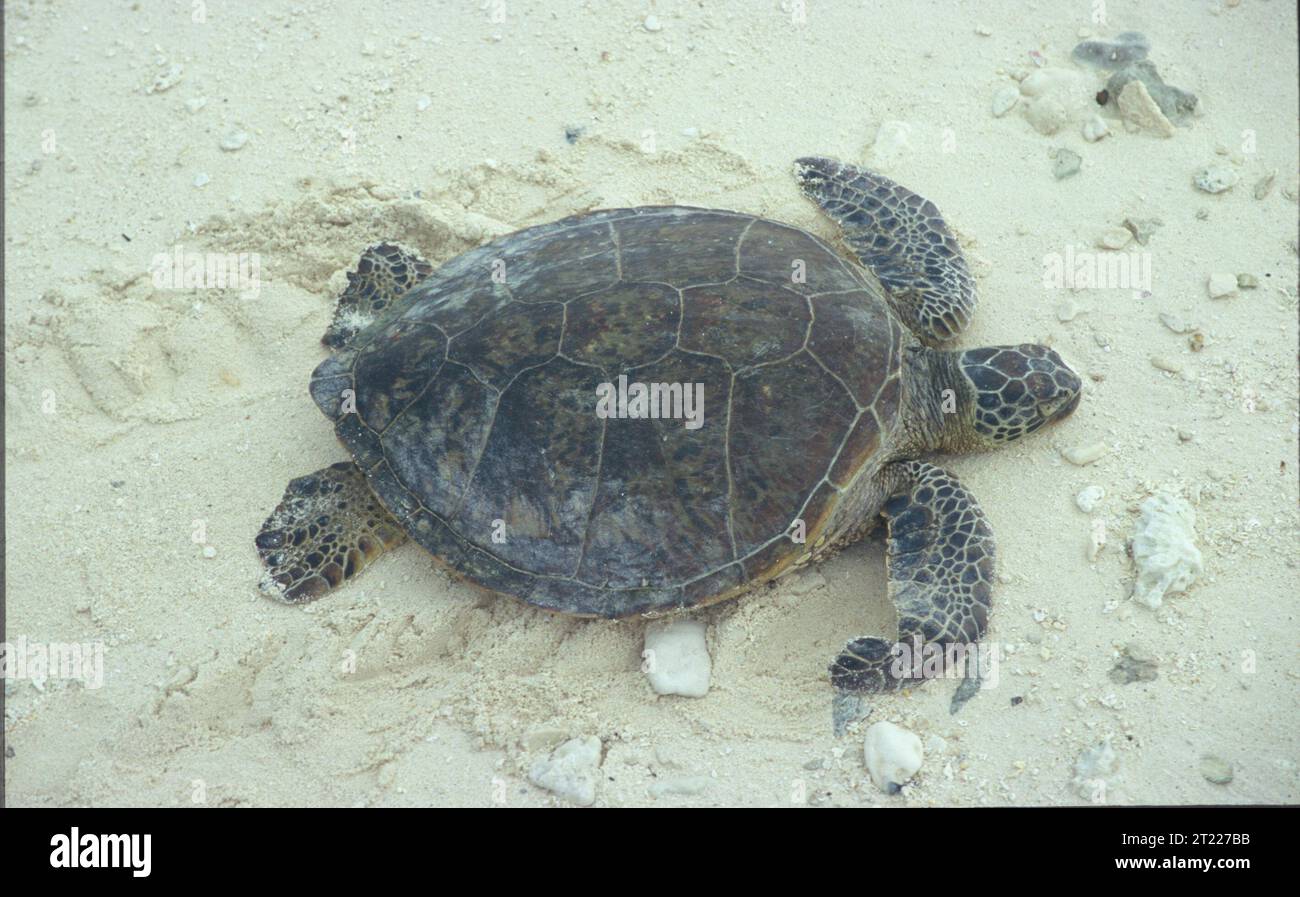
937,401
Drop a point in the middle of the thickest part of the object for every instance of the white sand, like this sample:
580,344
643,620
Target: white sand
195,402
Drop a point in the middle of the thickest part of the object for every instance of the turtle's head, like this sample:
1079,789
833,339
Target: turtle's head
1000,393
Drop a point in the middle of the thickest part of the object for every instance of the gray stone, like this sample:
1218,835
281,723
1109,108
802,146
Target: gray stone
1216,178
1135,664
1126,49
1066,163
1178,105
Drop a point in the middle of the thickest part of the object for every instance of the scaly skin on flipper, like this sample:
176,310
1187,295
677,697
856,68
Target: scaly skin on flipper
940,560
328,528
903,239
384,273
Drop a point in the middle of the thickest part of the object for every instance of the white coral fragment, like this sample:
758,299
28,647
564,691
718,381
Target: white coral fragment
1164,549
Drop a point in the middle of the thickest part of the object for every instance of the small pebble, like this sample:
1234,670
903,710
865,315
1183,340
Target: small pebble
200,179
424,102
652,24
1066,163
1004,100
1216,770
209,551
233,141
892,754
1142,228
194,104
1264,186
1089,497
677,658
1092,769
1096,542
1067,310
687,785
168,79
1083,455
1139,110
570,771
1221,285
545,739
1216,178
1115,238
1053,98
1247,281
1094,129
1136,664
1174,323
1165,364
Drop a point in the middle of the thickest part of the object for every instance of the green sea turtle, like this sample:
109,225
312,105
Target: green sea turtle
632,411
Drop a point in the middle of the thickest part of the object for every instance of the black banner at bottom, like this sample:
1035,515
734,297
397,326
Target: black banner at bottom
145,845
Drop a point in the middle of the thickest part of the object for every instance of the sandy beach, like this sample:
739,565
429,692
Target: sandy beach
152,423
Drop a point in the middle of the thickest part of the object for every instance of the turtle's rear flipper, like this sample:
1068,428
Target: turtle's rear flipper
940,559
902,238
383,274
328,527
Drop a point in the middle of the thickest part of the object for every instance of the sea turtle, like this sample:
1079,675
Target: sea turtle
632,411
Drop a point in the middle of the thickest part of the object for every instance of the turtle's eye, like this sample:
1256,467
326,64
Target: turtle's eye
1065,405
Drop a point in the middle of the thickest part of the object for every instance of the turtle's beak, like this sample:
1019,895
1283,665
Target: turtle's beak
1067,409
1071,386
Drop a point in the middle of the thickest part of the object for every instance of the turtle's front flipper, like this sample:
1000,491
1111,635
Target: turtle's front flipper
383,274
328,527
940,559
903,239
